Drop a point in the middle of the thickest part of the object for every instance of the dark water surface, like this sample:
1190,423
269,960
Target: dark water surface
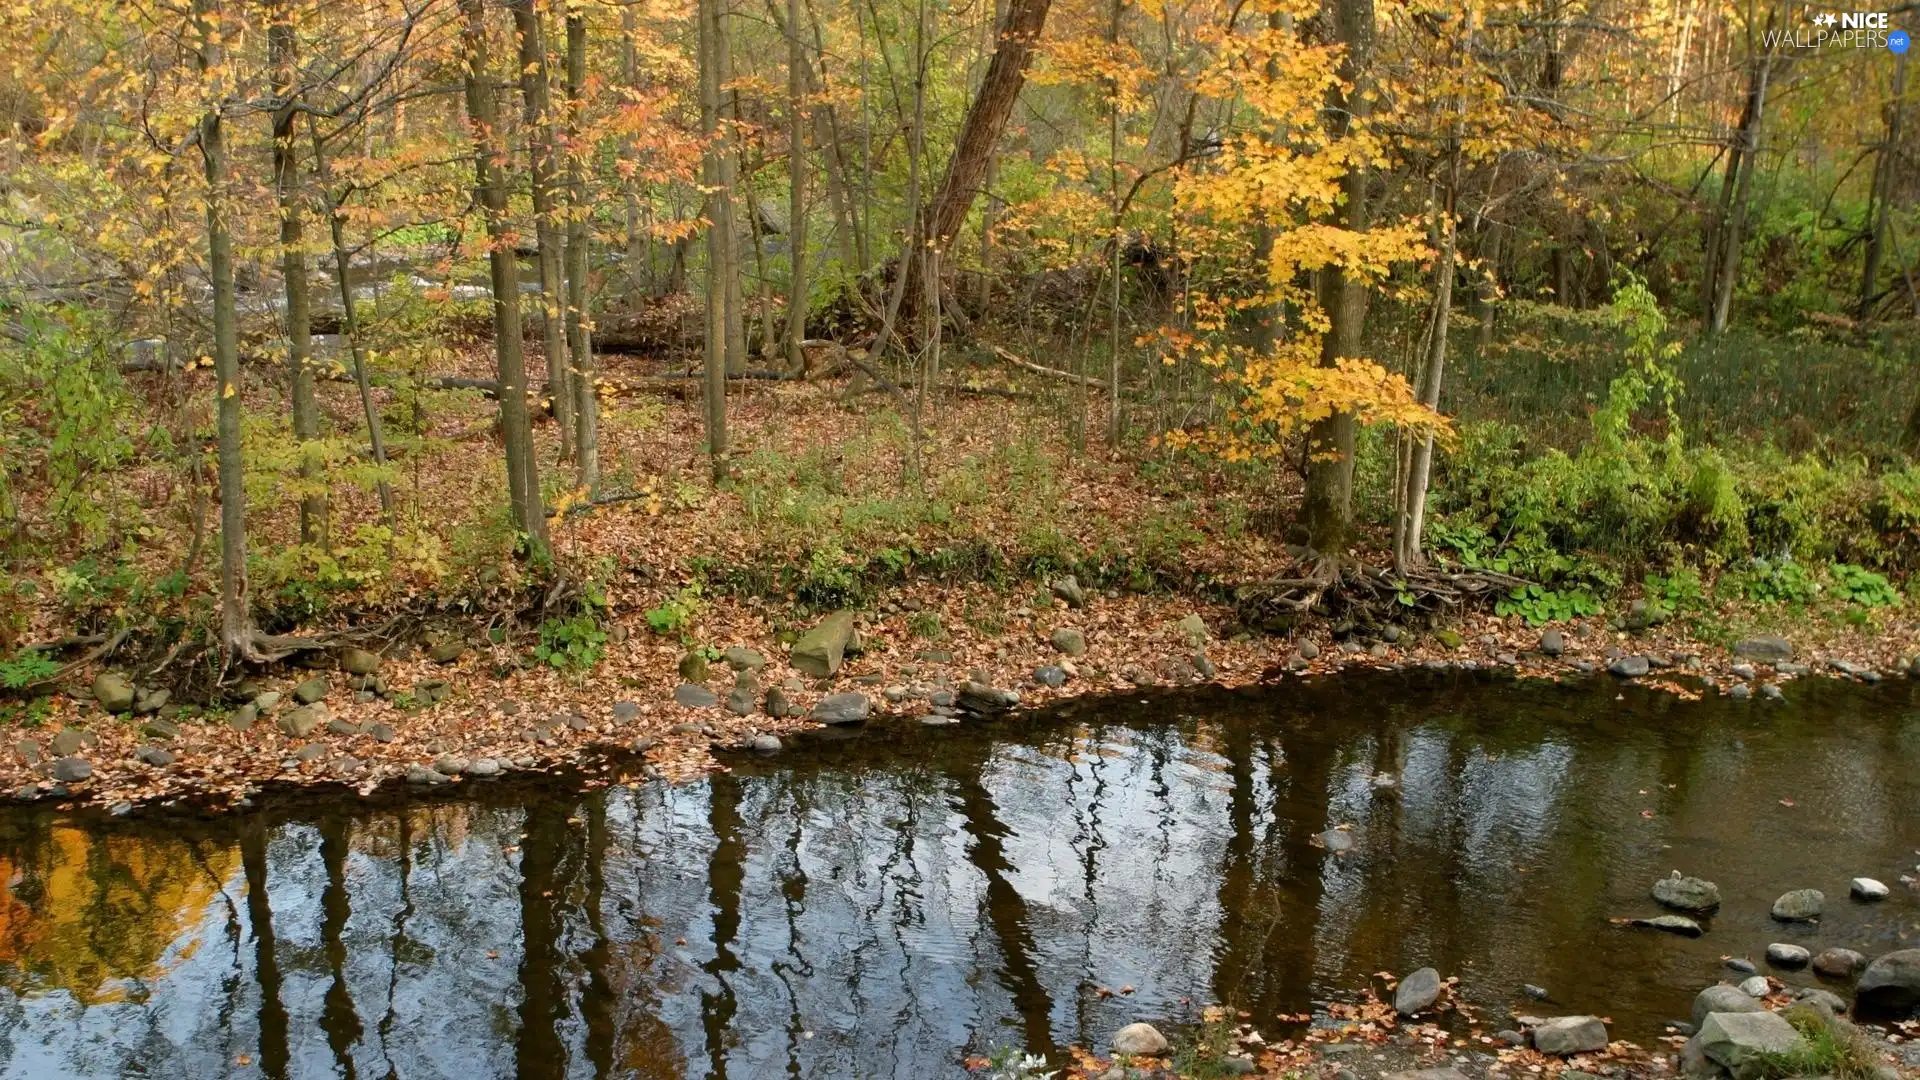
883,905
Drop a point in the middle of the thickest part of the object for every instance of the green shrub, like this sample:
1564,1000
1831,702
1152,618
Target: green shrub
1540,606
571,644
1860,586
24,668
676,612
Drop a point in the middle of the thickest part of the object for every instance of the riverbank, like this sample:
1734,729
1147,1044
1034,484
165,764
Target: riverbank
463,707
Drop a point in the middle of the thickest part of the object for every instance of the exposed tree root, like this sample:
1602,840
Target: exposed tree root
1367,595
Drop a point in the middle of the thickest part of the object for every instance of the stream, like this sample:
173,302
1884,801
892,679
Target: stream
884,902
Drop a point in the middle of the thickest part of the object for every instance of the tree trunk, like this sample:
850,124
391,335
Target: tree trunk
580,376
523,476
728,224
637,254
236,620
536,95
1880,201
796,190
711,176
1114,208
1328,507
1745,160
986,119
1411,520
282,50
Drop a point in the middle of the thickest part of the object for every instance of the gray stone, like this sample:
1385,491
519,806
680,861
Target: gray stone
312,690
160,729
1672,924
1069,641
337,726
1744,671
1772,692
1742,1042
766,744
1800,905
1694,1061
1786,668
1307,650
1553,643
1417,992
1891,982
1866,888
777,704
981,698
1139,1040
113,691
741,658
819,651
1782,954
1564,1035
1823,999
1203,666
1630,667
148,702
848,708
1687,893
695,697
446,652
301,722
420,774
382,733
1052,676
1068,589
740,702
1767,648
313,751
29,751
1193,630
68,742
1740,692
1441,1073
359,662
1721,998
694,668
1757,987
243,718
1336,841
267,701
1839,963
450,764
1742,965
71,770
625,712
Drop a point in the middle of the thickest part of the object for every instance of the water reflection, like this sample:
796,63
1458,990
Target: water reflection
885,905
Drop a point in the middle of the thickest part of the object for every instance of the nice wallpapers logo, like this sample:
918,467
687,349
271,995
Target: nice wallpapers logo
1845,30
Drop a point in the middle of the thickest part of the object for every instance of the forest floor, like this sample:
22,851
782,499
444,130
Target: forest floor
950,577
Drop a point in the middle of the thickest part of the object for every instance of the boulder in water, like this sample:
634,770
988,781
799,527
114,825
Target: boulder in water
1564,1035
1891,982
1721,998
1687,893
1417,992
1800,905
1742,1042
1139,1040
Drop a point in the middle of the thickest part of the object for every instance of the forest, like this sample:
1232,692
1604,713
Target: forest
600,336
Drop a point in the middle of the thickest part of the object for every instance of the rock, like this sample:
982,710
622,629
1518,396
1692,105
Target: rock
1839,963
776,704
980,698
1564,1035
1630,667
1824,999
1800,905
337,726
1693,1061
1744,671
1510,1037
367,683
1687,893
447,652
1336,841
243,718
359,662
1767,648
1741,1042
1139,1040
71,770
1441,1073
301,722
694,667
1672,924
68,742
1757,987
1740,692
1781,954
1772,692
695,697
1068,589
450,765
1553,643
29,751
1417,992
1721,998
420,774
160,729
1537,993
382,733
1203,666
819,651
741,658
1308,650
1741,965
625,712
1865,888
148,702
312,690
740,702
1052,676
1242,1065
1786,668
113,691
848,708
766,744
1193,630
313,751
267,701
1069,641
1891,982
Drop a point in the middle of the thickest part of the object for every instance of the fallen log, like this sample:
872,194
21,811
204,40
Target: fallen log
1052,373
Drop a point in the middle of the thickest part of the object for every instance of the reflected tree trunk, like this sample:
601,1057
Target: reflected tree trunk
337,1015
538,1051
266,966
1006,908
726,874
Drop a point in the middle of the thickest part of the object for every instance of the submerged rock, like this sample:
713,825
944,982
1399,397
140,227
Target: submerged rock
1564,1035
1839,963
1672,924
1687,893
1781,954
1417,992
1336,841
